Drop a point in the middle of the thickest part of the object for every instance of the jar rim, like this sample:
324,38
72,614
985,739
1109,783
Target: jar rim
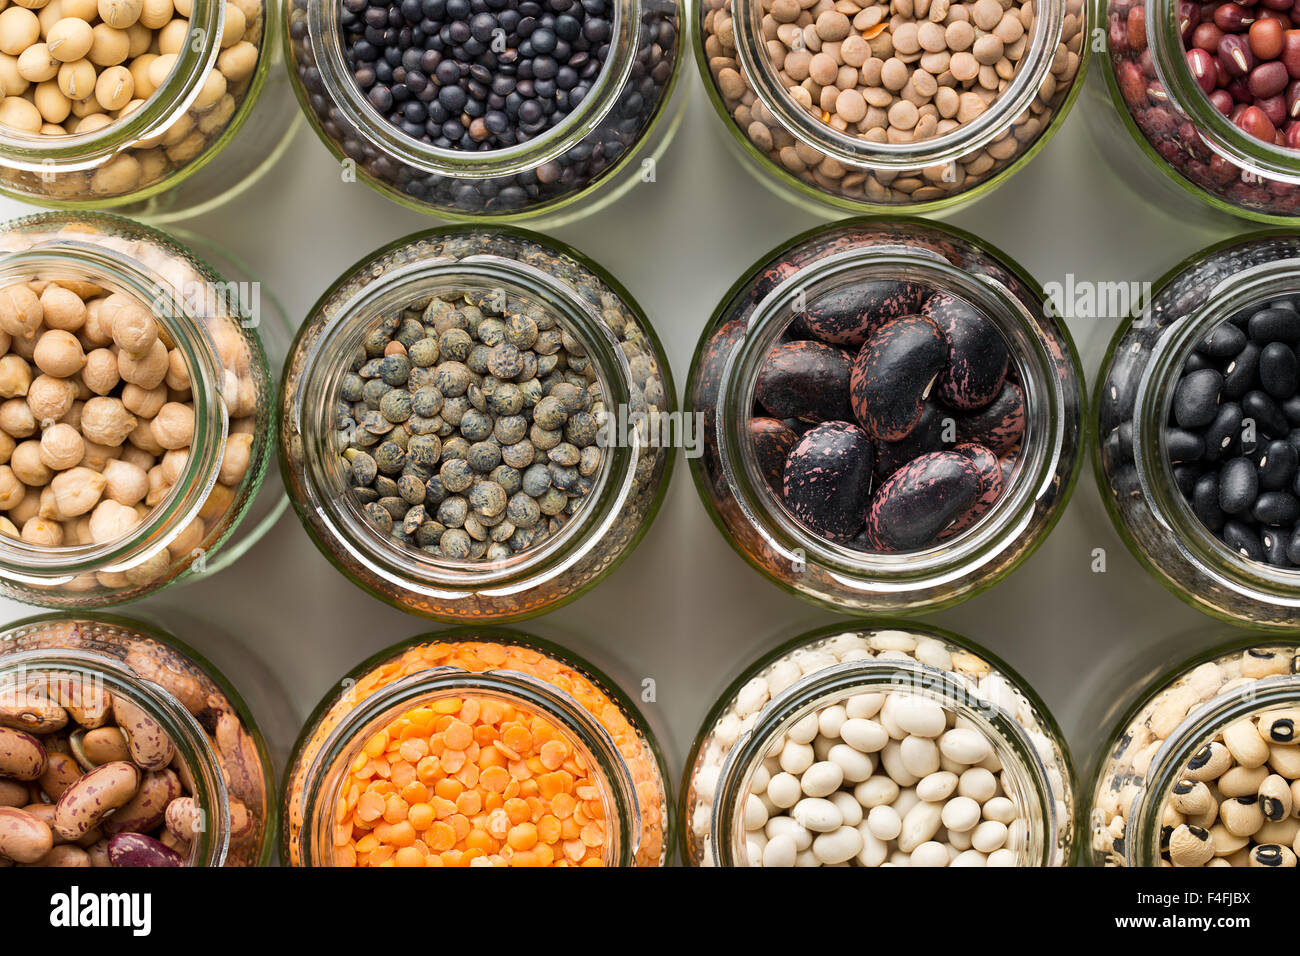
854,151
39,565
335,525
325,40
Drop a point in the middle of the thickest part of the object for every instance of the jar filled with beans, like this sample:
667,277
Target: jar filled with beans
117,104
476,748
1208,91
1205,769
135,417
905,104
477,425
1199,424
124,748
476,110
878,745
891,415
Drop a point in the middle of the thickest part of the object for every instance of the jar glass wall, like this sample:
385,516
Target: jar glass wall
606,86
841,107
153,155
1197,142
1202,771
852,704
777,371
1234,568
130,514
473,424
500,749
115,698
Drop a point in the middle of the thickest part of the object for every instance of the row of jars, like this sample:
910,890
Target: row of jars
372,780
157,161
383,450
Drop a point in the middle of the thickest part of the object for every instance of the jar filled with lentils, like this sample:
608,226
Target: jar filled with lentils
476,748
891,416
477,424
1199,424
490,109
125,748
121,103
135,412
907,104
1205,769
1208,92
878,745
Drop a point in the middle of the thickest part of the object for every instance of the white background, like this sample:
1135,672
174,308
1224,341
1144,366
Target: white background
684,609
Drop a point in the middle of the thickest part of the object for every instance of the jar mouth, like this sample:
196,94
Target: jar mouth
311,409
1011,743
1196,730
69,257
1165,41
1154,401
32,152
937,151
322,779
325,38
1032,476
211,844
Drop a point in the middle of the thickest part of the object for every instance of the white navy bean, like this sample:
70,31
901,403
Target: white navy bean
989,836
876,791
817,814
874,851
936,787
780,851
789,826
919,755
849,808
978,784
930,854
784,790
804,729
920,824
892,760
965,746
1000,809
865,706
854,765
755,813
830,720
838,846
822,779
885,823
796,757
970,858
1003,857
864,735
961,814
920,715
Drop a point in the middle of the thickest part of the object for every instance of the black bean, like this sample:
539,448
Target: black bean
1183,445
1243,539
1278,465
1238,485
1279,372
1205,502
1275,546
1223,436
1241,374
1276,509
1224,342
1196,398
1268,418
1293,547
1275,325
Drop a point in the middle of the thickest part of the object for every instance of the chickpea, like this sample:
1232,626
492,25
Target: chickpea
156,14
106,421
77,80
173,427
37,64
144,402
8,529
173,37
15,376
98,456
124,482
16,418
159,487
111,521
147,371
178,372
100,373
149,570
42,532
62,447
29,507
20,308
235,458
71,537
133,326
96,330
7,446
5,341
185,543
120,14
70,39
12,491
50,398
238,62
218,502
77,490
138,457
114,88
25,347
142,437
73,417
27,465
19,29
173,464
63,309
58,353
111,46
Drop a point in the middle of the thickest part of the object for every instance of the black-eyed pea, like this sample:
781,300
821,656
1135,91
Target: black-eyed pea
1242,781
1244,742
61,447
1226,842
1272,855
111,521
1242,816
22,756
150,747
1275,798
1280,726
50,398
23,837
1190,846
1284,759
1283,831
92,797
147,370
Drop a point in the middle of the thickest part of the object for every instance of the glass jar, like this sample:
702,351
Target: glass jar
473,677
219,757
829,266
1168,755
819,679
871,163
599,150
213,327
1139,483
145,162
506,568
1178,129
